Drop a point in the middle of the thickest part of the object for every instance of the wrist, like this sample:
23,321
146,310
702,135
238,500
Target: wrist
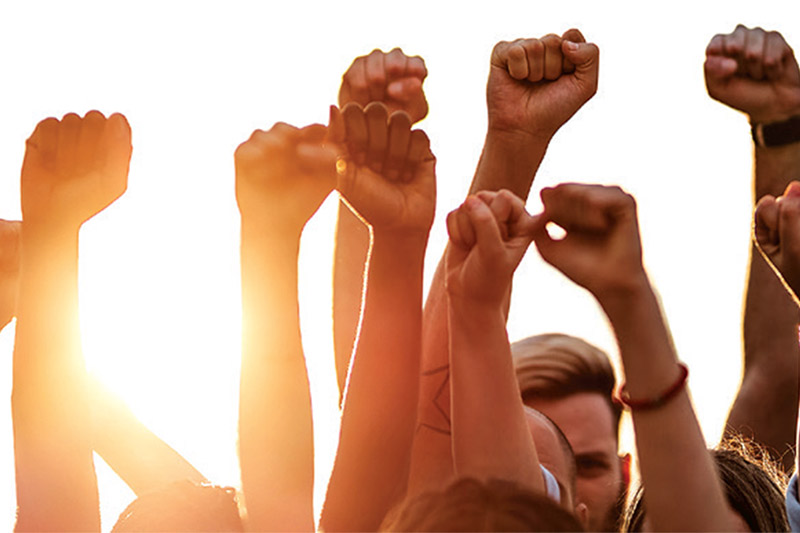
517,139
617,300
400,241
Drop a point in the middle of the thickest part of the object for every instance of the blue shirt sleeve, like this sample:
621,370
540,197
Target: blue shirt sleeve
793,504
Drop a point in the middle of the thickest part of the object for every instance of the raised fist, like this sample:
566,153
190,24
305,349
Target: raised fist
389,174
536,85
10,235
394,79
777,233
754,71
283,175
74,168
489,235
601,250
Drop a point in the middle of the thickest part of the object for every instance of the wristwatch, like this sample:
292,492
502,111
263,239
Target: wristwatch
776,133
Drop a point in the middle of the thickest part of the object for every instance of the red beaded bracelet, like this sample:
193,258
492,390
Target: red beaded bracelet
625,400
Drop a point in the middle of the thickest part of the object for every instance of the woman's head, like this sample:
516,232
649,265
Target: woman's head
754,487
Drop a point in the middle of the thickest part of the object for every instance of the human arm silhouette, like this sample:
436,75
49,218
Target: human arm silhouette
534,87
73,169
601,252
282,177
489,235
389,180
755,72
394,79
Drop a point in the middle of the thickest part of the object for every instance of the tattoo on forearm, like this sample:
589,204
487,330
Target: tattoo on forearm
441,401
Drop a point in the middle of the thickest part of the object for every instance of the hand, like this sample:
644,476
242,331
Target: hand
74,168
777,233
10,235
536,85
755,72
489,234
394,79
283,175
389,174
601,250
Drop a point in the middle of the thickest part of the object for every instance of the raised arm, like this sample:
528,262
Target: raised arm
73,169
138,456
489,234
396,80
10,234
389,179
777,236
535,86
601,252
282,177
755,72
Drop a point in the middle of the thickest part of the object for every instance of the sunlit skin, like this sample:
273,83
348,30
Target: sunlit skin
10,233
73,169
754,71
389,179
394,79
587,422
534,86
489,235
282,177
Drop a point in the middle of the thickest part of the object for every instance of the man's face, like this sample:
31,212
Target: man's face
588,423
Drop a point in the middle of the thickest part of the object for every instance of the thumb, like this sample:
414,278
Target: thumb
335,126
585,57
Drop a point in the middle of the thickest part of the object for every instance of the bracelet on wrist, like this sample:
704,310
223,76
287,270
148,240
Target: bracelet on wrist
774,134
647,404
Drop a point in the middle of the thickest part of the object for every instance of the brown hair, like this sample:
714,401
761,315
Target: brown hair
182,506
554,365
754,487
472,505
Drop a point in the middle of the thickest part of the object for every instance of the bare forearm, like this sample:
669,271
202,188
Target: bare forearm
275,429
136,454
350,254
769,390
682,488
490,436
508,161
52,434
380,404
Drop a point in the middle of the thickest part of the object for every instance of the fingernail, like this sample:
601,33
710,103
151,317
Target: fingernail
571,46
472,203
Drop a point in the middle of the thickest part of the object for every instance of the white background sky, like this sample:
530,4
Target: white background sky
160,304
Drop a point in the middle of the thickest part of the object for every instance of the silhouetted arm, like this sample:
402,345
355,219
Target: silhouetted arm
72,170
394,79
282,177
390,180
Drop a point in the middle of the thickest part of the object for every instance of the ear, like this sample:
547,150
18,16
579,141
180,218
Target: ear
582,513
625,470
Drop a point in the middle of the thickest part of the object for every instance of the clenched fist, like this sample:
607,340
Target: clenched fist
283,175
777,233
754,71
392,78
74,168
536,85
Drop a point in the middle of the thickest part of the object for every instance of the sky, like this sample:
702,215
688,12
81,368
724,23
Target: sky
159,272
